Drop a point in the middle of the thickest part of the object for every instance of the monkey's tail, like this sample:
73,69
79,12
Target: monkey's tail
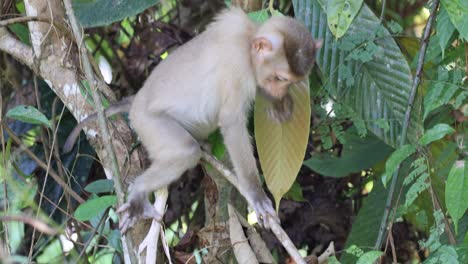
119,107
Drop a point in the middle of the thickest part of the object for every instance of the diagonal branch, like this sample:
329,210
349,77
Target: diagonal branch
76,28
414,88
275,227
22,19
9,44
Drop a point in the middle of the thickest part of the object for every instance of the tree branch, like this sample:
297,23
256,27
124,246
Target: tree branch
36,223
53,58
275,227
150,243
414,88
15,48
102,119
22,19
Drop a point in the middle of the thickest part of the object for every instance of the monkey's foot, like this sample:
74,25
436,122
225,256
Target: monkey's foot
134,211
265,211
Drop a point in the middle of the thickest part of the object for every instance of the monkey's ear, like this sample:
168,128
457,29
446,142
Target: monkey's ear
261,44
318,43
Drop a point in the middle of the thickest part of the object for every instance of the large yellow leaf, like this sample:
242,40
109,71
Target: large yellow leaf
281,147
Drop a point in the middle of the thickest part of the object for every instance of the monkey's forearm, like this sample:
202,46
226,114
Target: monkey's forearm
119,107
237,140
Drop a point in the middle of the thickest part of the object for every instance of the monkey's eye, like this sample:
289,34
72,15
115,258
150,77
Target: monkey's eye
280,79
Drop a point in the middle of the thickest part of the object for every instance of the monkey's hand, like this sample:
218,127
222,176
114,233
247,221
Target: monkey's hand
264,210
281,110
138,207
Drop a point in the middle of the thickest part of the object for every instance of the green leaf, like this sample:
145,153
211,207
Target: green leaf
444,28
459,100
394,27
100,186
355,251
332,260
115,240
94,13
456,194
440,92
52,253
458,13
217,144
382,85
444,254
357,155
262,15
259,16
437,132
433,241
340,14
366,224
369,257
15,234
94,207
397,157
21,31
28,114
295,193
420,185
281,161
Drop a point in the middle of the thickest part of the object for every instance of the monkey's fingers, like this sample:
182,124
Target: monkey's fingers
129,218
264,209
126,223
123,208
150,212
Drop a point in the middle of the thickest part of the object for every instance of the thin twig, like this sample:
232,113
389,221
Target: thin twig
44,166
270,6
5,155
436,204
55,126
330,251
150,242
94,232
414,88
11,45
466,60
275,227
382,14
46,154
88,70
392,247
23,19
36,223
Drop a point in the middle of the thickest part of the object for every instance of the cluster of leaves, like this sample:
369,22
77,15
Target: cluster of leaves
367,83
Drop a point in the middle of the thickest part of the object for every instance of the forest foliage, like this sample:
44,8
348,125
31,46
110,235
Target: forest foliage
383,116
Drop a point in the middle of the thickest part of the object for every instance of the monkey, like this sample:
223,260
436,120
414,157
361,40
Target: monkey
280,112
208,83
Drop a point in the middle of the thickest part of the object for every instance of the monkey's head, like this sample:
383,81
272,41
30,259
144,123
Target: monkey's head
283,52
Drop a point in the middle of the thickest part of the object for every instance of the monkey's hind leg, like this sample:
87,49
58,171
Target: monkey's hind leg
173,151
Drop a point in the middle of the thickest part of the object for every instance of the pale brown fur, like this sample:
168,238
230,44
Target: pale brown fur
209,83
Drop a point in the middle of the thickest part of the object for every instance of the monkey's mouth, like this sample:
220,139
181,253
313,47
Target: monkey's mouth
272,94
268,95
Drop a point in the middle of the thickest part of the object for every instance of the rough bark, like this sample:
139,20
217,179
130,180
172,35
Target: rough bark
54,57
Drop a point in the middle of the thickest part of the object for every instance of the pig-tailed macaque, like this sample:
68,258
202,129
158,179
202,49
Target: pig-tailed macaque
209,83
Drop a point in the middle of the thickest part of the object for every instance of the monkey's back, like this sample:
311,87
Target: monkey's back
211,70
